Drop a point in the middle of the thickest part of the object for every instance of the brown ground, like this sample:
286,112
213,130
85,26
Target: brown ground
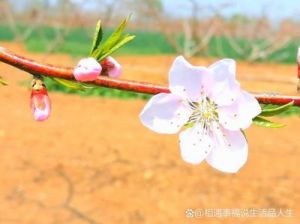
93,161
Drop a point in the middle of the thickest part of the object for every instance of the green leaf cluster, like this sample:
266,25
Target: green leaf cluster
115,41
270,111
101,50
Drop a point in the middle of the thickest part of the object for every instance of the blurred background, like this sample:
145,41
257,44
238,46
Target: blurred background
93,162
264,30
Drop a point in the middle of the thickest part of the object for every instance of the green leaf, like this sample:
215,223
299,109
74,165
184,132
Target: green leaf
97,37
262,122
116,37
70,84
117,46
3,82
276,110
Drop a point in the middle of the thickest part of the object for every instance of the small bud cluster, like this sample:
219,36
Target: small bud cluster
89,69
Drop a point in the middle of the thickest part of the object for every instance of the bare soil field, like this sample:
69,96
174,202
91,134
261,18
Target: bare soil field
93,161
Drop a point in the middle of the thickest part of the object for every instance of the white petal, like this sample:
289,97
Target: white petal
187,80
195,144
165,113
224,88
230,152
239,115
225,67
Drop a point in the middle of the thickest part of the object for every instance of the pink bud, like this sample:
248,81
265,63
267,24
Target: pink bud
88,69
111,67
40,104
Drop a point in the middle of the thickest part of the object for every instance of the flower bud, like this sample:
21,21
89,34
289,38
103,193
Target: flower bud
111,67
40,101
88,69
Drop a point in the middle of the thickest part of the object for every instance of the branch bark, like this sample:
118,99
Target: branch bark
36,68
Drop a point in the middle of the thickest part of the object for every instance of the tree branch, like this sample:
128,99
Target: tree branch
36,68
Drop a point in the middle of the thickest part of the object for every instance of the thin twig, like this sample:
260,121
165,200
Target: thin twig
36,68
67,203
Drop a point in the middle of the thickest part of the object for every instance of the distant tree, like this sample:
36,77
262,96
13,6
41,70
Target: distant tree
12,13
191,35
256,38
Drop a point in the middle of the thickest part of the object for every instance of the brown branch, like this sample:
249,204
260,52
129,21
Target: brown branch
36,68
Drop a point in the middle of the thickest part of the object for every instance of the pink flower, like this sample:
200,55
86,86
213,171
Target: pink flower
88,69
40,101
111,67
209,103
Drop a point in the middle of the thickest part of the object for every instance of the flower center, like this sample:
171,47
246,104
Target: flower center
204,113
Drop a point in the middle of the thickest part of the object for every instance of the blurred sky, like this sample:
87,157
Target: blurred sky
275,10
